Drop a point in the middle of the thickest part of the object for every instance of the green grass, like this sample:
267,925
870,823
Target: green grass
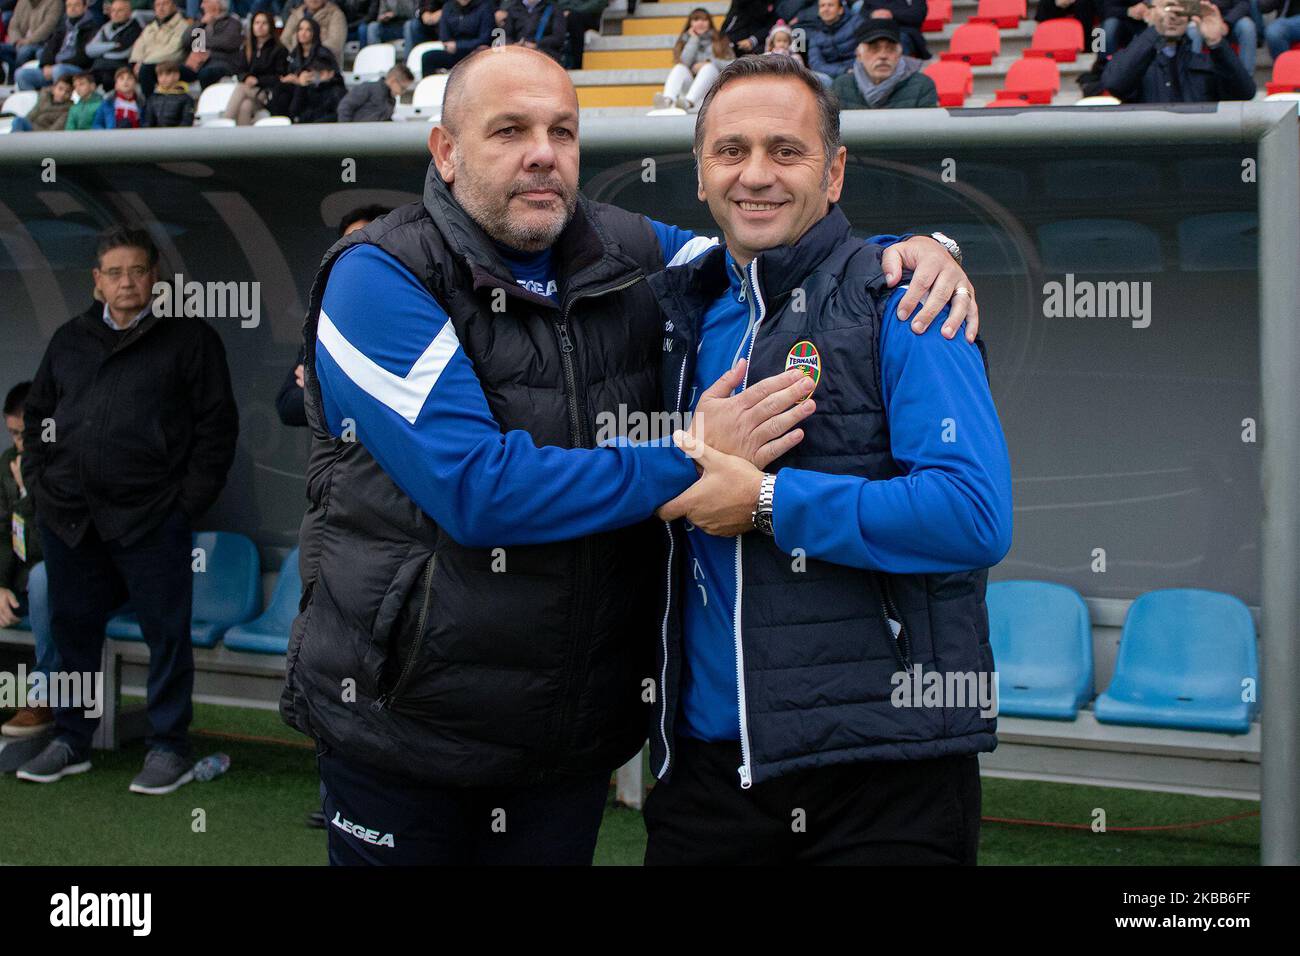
255,814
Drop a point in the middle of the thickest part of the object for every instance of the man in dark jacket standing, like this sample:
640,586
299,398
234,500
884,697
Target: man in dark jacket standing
1160,67
480,576
130,430
882,78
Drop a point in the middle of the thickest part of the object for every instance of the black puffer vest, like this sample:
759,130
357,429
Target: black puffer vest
815,653
413,653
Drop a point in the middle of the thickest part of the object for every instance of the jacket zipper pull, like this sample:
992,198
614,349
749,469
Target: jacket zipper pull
746,781
380,704
566,344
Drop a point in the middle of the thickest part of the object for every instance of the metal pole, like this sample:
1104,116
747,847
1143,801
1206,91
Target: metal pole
1279,343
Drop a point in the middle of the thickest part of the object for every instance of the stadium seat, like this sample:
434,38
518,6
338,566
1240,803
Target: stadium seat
1042,649
268,633
1060,40
1034,80
953,79
938,14
20,103
218,122
1219,242
213,101
1286,73
415,59
273,121
1283,97
426,101
1102,100
1005,14
1113,246
226,593
1186,658
372,63
974,43
1001,101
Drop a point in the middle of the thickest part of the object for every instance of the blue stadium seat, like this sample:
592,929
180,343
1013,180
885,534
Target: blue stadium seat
225,594
1042,649
1099,245
1183,656
269,633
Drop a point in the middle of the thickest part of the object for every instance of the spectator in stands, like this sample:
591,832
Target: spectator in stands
882,77
581,16
780,41
908,14
831,44
1081,10
314,80
64,52
85,102
1283,31
1241,27
50,113
22,586
218,55
374,102
31,25
110,47
146,428
164,40
387,19
700,54
1122,20
124,107
333,23
423,27
538,25
747,23
289,400
1160,66
263,62
171,103
465,25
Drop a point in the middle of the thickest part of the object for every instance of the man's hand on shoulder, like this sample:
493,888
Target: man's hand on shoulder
937,278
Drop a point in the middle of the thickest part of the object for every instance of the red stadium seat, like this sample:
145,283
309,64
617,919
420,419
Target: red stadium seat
1001,101
953,80
937,15
1007,14
1034,80
1059,40
1286,73
974,43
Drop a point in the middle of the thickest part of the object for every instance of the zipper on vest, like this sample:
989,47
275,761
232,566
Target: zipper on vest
386,698
756,312
900,640
668,607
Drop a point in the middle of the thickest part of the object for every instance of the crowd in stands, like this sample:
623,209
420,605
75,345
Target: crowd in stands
870,52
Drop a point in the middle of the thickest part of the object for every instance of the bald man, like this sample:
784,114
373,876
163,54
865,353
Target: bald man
483,575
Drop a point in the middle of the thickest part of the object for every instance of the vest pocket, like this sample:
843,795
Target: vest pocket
408,642
895,631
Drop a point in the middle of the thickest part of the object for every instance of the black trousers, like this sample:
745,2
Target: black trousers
381,819
88,583
900,812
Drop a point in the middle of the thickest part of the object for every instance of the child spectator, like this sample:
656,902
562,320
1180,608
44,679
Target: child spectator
85,102
263,62
164,40
124,108
171,103
700,54
781,42
50,112
374,102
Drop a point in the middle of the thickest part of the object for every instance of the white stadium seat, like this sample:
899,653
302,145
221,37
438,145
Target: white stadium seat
20,103
274,121
373,62
1283,97
213,101
427,99
1097,101
219,122
415,58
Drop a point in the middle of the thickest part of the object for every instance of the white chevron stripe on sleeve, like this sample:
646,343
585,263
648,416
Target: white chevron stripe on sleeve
696,247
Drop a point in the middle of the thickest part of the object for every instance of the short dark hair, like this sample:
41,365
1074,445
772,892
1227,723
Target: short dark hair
785,67
168,66
401,71
17,398
368,213
120,236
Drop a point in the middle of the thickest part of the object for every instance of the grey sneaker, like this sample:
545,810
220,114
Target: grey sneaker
53,763
163,772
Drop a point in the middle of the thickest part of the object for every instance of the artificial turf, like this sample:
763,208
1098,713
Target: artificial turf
256,814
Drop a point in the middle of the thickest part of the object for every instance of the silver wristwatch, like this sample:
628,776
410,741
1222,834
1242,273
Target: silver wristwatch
763,513
954,250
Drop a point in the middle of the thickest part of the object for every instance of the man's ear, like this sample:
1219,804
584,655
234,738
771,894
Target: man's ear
699,181
441,146
836,184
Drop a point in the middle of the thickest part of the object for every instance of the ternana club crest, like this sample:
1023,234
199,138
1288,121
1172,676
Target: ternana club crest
805,358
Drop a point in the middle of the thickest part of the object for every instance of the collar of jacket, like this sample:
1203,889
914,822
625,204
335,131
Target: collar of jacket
780,269
92,321
585,256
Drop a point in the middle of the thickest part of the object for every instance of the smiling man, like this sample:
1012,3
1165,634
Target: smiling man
481,580
805,595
